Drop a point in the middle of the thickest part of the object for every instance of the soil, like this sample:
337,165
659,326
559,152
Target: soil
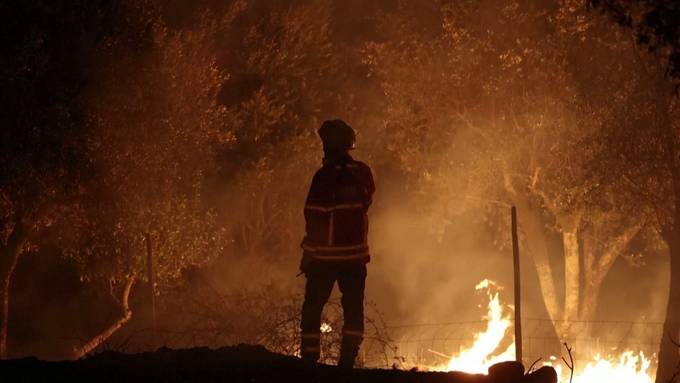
242,363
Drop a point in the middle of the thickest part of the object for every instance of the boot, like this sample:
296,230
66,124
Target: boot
310,358
349,348
348,353
310,350
346,362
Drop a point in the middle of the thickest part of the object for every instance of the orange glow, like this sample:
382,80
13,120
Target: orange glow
627,367
478,357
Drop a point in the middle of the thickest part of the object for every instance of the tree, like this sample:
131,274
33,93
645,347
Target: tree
564,180
650,145
155,125
649,163
513,113
656,24
42,163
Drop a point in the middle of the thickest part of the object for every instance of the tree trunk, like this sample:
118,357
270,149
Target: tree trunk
591,282
596,269
5,277
97,340
669,357
591,293
9,255
669,352
572,274
532,226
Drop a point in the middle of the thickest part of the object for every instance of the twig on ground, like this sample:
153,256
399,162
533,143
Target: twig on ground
570,364
531,368
440,354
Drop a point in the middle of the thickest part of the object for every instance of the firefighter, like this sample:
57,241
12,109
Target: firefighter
335,247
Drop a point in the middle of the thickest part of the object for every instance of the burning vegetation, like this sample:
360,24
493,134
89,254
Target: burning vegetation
487,349
154,160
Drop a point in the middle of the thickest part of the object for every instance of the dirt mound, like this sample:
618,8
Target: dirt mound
242,363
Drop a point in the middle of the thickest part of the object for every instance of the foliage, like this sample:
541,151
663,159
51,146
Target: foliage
656,24
154,126
42,166
511,113
198,127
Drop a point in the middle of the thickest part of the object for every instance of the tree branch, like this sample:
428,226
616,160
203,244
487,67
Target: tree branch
15,241
616,246
79,352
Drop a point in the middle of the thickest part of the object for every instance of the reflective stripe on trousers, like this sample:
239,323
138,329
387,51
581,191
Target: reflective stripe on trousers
317,291
353,333
310,345
327,209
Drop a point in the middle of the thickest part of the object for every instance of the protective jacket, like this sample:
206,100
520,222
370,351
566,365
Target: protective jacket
335,214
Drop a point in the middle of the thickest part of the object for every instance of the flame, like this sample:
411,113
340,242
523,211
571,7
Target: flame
628,367
478,357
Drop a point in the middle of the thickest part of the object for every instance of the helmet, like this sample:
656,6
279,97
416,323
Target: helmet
336,134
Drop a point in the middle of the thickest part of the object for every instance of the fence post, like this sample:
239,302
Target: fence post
152,296
518,307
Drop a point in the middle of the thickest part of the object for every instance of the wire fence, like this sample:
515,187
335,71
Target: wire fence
433,344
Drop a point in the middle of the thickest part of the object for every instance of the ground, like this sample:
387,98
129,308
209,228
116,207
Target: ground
242,363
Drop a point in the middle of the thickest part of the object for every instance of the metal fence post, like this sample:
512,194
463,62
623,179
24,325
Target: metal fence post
152,295
518,307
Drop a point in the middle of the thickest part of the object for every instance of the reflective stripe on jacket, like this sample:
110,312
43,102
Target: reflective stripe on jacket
335,213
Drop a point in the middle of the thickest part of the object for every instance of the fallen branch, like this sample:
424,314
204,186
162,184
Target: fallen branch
570,364
531,368
79,352
447,357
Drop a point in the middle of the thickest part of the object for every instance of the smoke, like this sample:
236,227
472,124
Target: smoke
439,145
462,110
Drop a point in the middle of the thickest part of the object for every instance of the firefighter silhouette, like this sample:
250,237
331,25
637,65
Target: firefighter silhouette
335,247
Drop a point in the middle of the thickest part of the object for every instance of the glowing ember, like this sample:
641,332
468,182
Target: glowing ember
326,328
628,367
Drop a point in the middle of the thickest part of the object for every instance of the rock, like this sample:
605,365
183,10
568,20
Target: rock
506,372
545,374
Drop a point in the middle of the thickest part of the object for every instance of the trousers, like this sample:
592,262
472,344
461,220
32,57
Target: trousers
318,287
